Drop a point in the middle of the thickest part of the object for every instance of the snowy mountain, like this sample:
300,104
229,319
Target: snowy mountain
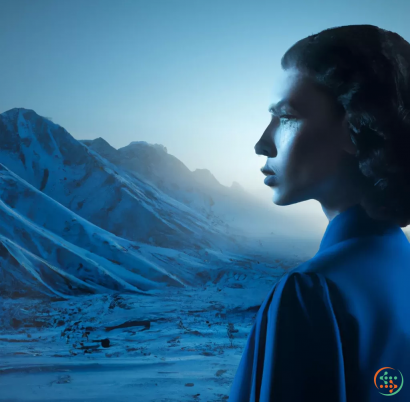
81,217
231,206
50,159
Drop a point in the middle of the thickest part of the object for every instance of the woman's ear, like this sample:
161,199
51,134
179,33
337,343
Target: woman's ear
347,143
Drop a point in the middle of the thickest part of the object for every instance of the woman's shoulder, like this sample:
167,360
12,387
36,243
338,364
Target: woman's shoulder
298,289
305,283
349,276
302,276
357,257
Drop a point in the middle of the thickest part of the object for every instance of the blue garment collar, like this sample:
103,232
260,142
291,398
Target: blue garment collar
353,223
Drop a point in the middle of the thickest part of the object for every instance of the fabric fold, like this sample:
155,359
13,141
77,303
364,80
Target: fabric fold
294,350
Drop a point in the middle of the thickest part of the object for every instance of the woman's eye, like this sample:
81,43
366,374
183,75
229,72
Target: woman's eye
284,117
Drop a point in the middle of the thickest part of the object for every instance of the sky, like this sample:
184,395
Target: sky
193,75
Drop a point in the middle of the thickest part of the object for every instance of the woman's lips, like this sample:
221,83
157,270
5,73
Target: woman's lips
270,180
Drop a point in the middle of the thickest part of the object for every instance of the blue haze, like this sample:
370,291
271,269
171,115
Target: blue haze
193,75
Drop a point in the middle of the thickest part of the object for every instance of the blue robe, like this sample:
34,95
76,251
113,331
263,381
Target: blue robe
329,325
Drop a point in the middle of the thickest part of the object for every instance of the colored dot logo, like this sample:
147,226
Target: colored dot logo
388,381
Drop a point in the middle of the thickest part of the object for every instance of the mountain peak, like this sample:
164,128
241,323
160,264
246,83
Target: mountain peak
101,146
159,147
14,112
101,141
18,109
27,114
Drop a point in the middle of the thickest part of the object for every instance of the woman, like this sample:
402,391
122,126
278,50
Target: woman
337,327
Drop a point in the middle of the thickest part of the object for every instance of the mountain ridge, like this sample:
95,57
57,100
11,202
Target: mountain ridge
75,222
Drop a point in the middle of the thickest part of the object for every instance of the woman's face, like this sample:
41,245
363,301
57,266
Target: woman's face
304,142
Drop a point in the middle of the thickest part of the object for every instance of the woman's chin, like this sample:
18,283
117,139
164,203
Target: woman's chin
277,198
283,195
281,199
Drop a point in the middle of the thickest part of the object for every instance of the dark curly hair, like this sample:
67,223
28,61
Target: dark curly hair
367,71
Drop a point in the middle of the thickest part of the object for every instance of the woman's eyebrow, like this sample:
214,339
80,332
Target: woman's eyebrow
275,108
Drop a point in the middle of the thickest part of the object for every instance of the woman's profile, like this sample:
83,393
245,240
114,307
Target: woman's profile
337,327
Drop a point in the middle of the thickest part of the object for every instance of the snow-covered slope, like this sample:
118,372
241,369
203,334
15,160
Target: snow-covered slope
83,218
45,155
46,247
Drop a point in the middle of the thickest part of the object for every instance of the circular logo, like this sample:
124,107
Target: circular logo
388,381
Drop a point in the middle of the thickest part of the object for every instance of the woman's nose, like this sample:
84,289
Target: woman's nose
261,148
266,145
